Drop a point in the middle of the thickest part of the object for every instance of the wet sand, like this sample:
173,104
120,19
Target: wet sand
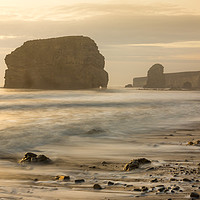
173,173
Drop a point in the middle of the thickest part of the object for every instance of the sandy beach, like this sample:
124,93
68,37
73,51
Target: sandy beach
173,173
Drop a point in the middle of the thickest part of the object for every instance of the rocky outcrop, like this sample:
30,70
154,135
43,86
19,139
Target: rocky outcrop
136,163
71,62
179,80
31,158
155,77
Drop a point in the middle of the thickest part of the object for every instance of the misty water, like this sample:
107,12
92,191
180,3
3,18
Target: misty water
31,119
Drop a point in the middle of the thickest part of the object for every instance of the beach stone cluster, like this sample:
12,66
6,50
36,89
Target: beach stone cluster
32,158
195,143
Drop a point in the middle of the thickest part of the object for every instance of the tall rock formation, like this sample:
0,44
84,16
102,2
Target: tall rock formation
156,77
71,62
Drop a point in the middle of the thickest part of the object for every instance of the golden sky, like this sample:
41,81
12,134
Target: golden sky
132,35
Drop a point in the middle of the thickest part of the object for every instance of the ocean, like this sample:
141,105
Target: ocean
31,120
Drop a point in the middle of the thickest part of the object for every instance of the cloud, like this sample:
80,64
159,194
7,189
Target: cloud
81,11
5,37
184,44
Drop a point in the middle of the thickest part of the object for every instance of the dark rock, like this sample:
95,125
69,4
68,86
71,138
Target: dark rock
129,186
128,86
110,183
176,188
195,195
173,179
137,189
72,62
160,186
144,188
97,187
104,163
154,180
155,77
95,131
134,164
190,143
79,181
161,189
32,158
92,167
187,180
62,178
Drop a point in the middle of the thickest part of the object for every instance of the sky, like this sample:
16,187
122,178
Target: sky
132,35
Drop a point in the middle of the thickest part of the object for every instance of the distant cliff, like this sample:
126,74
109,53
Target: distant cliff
71,62
157,79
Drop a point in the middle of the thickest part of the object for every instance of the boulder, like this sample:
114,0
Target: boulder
71,62
31,158
156,77
134,164
97,187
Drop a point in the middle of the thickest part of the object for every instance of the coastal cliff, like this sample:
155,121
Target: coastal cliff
71,62
157,79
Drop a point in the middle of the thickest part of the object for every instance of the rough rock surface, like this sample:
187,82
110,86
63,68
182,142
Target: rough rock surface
32,158
71,62
155,77
179,80
134,164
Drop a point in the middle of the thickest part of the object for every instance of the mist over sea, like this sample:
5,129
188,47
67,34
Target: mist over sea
30,119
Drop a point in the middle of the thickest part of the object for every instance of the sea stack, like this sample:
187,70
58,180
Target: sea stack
156,77
71,62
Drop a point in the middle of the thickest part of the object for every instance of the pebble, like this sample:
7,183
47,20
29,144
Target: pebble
97,187
110,183
195,195
187,180
79,181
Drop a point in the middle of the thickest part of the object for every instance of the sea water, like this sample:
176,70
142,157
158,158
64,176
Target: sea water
31,119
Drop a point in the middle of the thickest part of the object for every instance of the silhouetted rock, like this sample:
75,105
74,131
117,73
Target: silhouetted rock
134,164
155,77
128,86
79,181
174,81
97,187
32,158
71,62
194,195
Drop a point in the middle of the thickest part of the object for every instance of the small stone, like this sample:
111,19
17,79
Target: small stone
195,195
92,167
187,180
97,187
35,180
190,143
79,181
144,188
137,189
104,163
176,188
161,189
110,183
64,178
154,180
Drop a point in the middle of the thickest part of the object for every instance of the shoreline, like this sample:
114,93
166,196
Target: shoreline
172,161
